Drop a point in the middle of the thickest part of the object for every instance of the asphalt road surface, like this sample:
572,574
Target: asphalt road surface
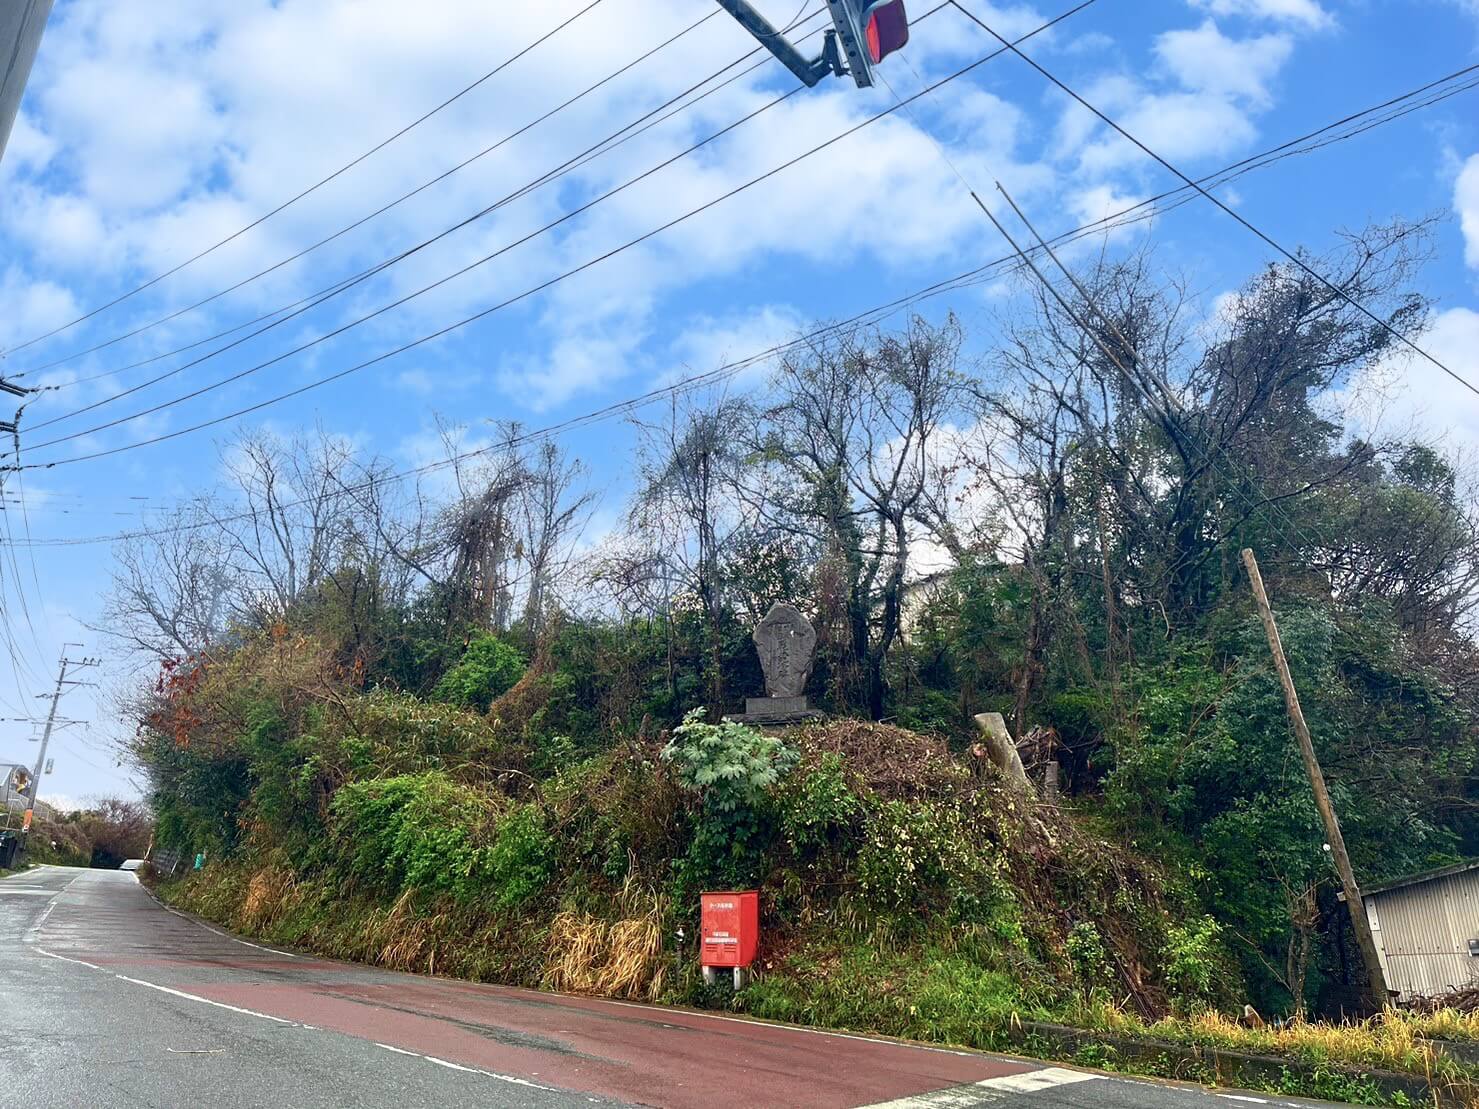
109,999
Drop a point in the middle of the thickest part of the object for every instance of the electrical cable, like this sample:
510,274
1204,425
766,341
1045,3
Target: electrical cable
1138,379
511,300
1408,102
630,404
313,300
1243,221
311,188
991,271
142,328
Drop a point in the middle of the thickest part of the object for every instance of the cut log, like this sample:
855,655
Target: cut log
1003,751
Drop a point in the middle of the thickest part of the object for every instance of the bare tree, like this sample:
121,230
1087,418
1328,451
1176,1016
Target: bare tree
685,513
173,587
295,524
477,533
850,446
554,506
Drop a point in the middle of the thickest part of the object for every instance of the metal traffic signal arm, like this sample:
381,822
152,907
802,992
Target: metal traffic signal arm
863,33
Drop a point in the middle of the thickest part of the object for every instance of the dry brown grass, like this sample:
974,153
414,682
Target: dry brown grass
620,958
271,892
1394,1041
407,936
1446,1024
894,763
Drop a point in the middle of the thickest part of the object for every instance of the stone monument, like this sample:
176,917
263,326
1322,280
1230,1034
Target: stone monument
786,643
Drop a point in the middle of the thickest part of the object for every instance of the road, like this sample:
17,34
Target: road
110,999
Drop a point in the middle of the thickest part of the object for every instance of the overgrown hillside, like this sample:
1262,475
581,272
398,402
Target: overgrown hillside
906,888
441,727
426,836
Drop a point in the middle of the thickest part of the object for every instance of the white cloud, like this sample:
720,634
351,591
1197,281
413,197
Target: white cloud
1206,60
1098,202
1216,85
31,306
29,147
1306,13
1180,126
1408,394
711,342
1466,203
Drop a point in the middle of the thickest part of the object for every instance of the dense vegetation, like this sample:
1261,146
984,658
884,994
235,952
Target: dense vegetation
432,728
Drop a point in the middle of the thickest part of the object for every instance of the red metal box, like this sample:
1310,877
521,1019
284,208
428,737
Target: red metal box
729,928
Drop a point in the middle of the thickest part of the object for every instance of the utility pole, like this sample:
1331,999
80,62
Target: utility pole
1353,900
21,24
56,696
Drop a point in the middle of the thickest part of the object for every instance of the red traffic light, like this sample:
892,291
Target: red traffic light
887,30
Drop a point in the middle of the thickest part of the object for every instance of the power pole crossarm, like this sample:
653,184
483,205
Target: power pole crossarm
1353,900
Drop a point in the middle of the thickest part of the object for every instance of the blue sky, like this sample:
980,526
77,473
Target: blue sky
151,131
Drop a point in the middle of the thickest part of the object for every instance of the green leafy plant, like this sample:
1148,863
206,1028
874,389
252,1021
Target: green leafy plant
488,668
1193,955
732,768
520,861
1085,947
818,805
414,831
729,765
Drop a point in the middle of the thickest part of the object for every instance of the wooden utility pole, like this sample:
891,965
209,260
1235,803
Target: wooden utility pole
1353,901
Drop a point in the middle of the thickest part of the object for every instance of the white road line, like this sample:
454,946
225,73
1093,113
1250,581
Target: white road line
206,1000
459,1067
511,1079
55,897
487,1073
236,939
399,1050
42,919
991,1089
66,959
1245,1097
217,931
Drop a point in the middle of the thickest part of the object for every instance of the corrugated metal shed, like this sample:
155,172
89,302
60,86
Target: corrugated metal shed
1427,930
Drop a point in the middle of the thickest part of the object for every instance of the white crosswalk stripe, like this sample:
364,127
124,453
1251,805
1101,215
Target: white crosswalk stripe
989,1090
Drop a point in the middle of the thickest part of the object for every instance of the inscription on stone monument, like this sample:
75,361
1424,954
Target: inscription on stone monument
787,644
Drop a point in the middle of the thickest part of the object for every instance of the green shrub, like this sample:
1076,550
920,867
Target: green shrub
1086,952
488,669
928,856
520,861
732,768
1193,958
817,806
729,765
415,831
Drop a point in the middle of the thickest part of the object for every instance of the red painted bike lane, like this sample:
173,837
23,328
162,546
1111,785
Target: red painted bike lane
637,1053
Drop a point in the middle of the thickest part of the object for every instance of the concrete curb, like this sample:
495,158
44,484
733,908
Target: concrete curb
1231,1068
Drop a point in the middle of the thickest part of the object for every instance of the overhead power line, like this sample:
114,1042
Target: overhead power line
517,297
1349,126
1425,96
611,142
417,122
1159,399
339,287
1242,220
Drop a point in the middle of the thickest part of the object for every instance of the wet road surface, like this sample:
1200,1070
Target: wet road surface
109,999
